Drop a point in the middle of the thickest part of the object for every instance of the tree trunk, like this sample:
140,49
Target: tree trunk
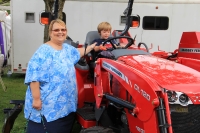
49,5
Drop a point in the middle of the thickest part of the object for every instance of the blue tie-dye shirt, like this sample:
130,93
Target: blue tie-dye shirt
54,70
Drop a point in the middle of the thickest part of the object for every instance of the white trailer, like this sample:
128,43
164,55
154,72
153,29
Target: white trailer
161,23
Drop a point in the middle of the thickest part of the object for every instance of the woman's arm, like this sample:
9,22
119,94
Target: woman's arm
88,49
35,90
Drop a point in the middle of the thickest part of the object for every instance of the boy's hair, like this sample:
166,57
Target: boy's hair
104,26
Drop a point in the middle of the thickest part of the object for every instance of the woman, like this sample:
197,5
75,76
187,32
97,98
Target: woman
51,97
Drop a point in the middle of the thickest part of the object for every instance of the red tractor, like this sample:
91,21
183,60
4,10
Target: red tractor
138,92
135,91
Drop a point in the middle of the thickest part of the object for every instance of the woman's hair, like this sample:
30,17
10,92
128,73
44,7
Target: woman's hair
104,26
59,21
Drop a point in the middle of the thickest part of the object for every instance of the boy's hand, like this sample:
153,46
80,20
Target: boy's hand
103,48
118,46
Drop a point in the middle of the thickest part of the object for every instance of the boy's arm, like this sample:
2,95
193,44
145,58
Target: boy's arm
96,48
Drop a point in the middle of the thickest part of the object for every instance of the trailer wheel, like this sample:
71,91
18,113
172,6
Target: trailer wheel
97,129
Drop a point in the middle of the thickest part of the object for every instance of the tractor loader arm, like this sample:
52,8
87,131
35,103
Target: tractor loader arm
143,91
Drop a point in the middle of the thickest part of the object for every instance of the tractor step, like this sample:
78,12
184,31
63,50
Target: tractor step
97,129
87,113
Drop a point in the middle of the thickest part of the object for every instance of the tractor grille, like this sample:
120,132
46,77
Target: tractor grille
186,121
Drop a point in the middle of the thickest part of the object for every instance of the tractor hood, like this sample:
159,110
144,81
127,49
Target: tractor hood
167,74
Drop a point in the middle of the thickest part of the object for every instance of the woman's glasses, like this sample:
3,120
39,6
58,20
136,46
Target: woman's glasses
57,30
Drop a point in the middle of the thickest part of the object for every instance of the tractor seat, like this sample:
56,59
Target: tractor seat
70,42
90,37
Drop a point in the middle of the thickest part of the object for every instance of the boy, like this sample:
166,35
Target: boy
104,29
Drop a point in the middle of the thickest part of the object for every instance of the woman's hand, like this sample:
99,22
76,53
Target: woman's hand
37,104
88,49
93,45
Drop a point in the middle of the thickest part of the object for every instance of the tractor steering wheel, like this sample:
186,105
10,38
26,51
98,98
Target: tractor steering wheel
110,40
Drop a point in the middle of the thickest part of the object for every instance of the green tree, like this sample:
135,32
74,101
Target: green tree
49,6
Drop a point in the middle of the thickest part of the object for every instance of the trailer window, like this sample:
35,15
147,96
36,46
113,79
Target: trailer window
30,17
155,23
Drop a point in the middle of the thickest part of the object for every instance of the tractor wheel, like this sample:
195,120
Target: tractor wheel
97,129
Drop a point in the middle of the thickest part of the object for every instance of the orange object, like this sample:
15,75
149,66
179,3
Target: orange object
135,23
102,48
45,20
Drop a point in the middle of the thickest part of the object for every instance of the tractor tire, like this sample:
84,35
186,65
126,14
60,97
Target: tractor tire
97,129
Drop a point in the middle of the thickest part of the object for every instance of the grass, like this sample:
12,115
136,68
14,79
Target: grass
7,3
16,91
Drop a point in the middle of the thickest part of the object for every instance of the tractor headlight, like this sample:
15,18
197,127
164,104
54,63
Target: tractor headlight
177,97
183,98
172,96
